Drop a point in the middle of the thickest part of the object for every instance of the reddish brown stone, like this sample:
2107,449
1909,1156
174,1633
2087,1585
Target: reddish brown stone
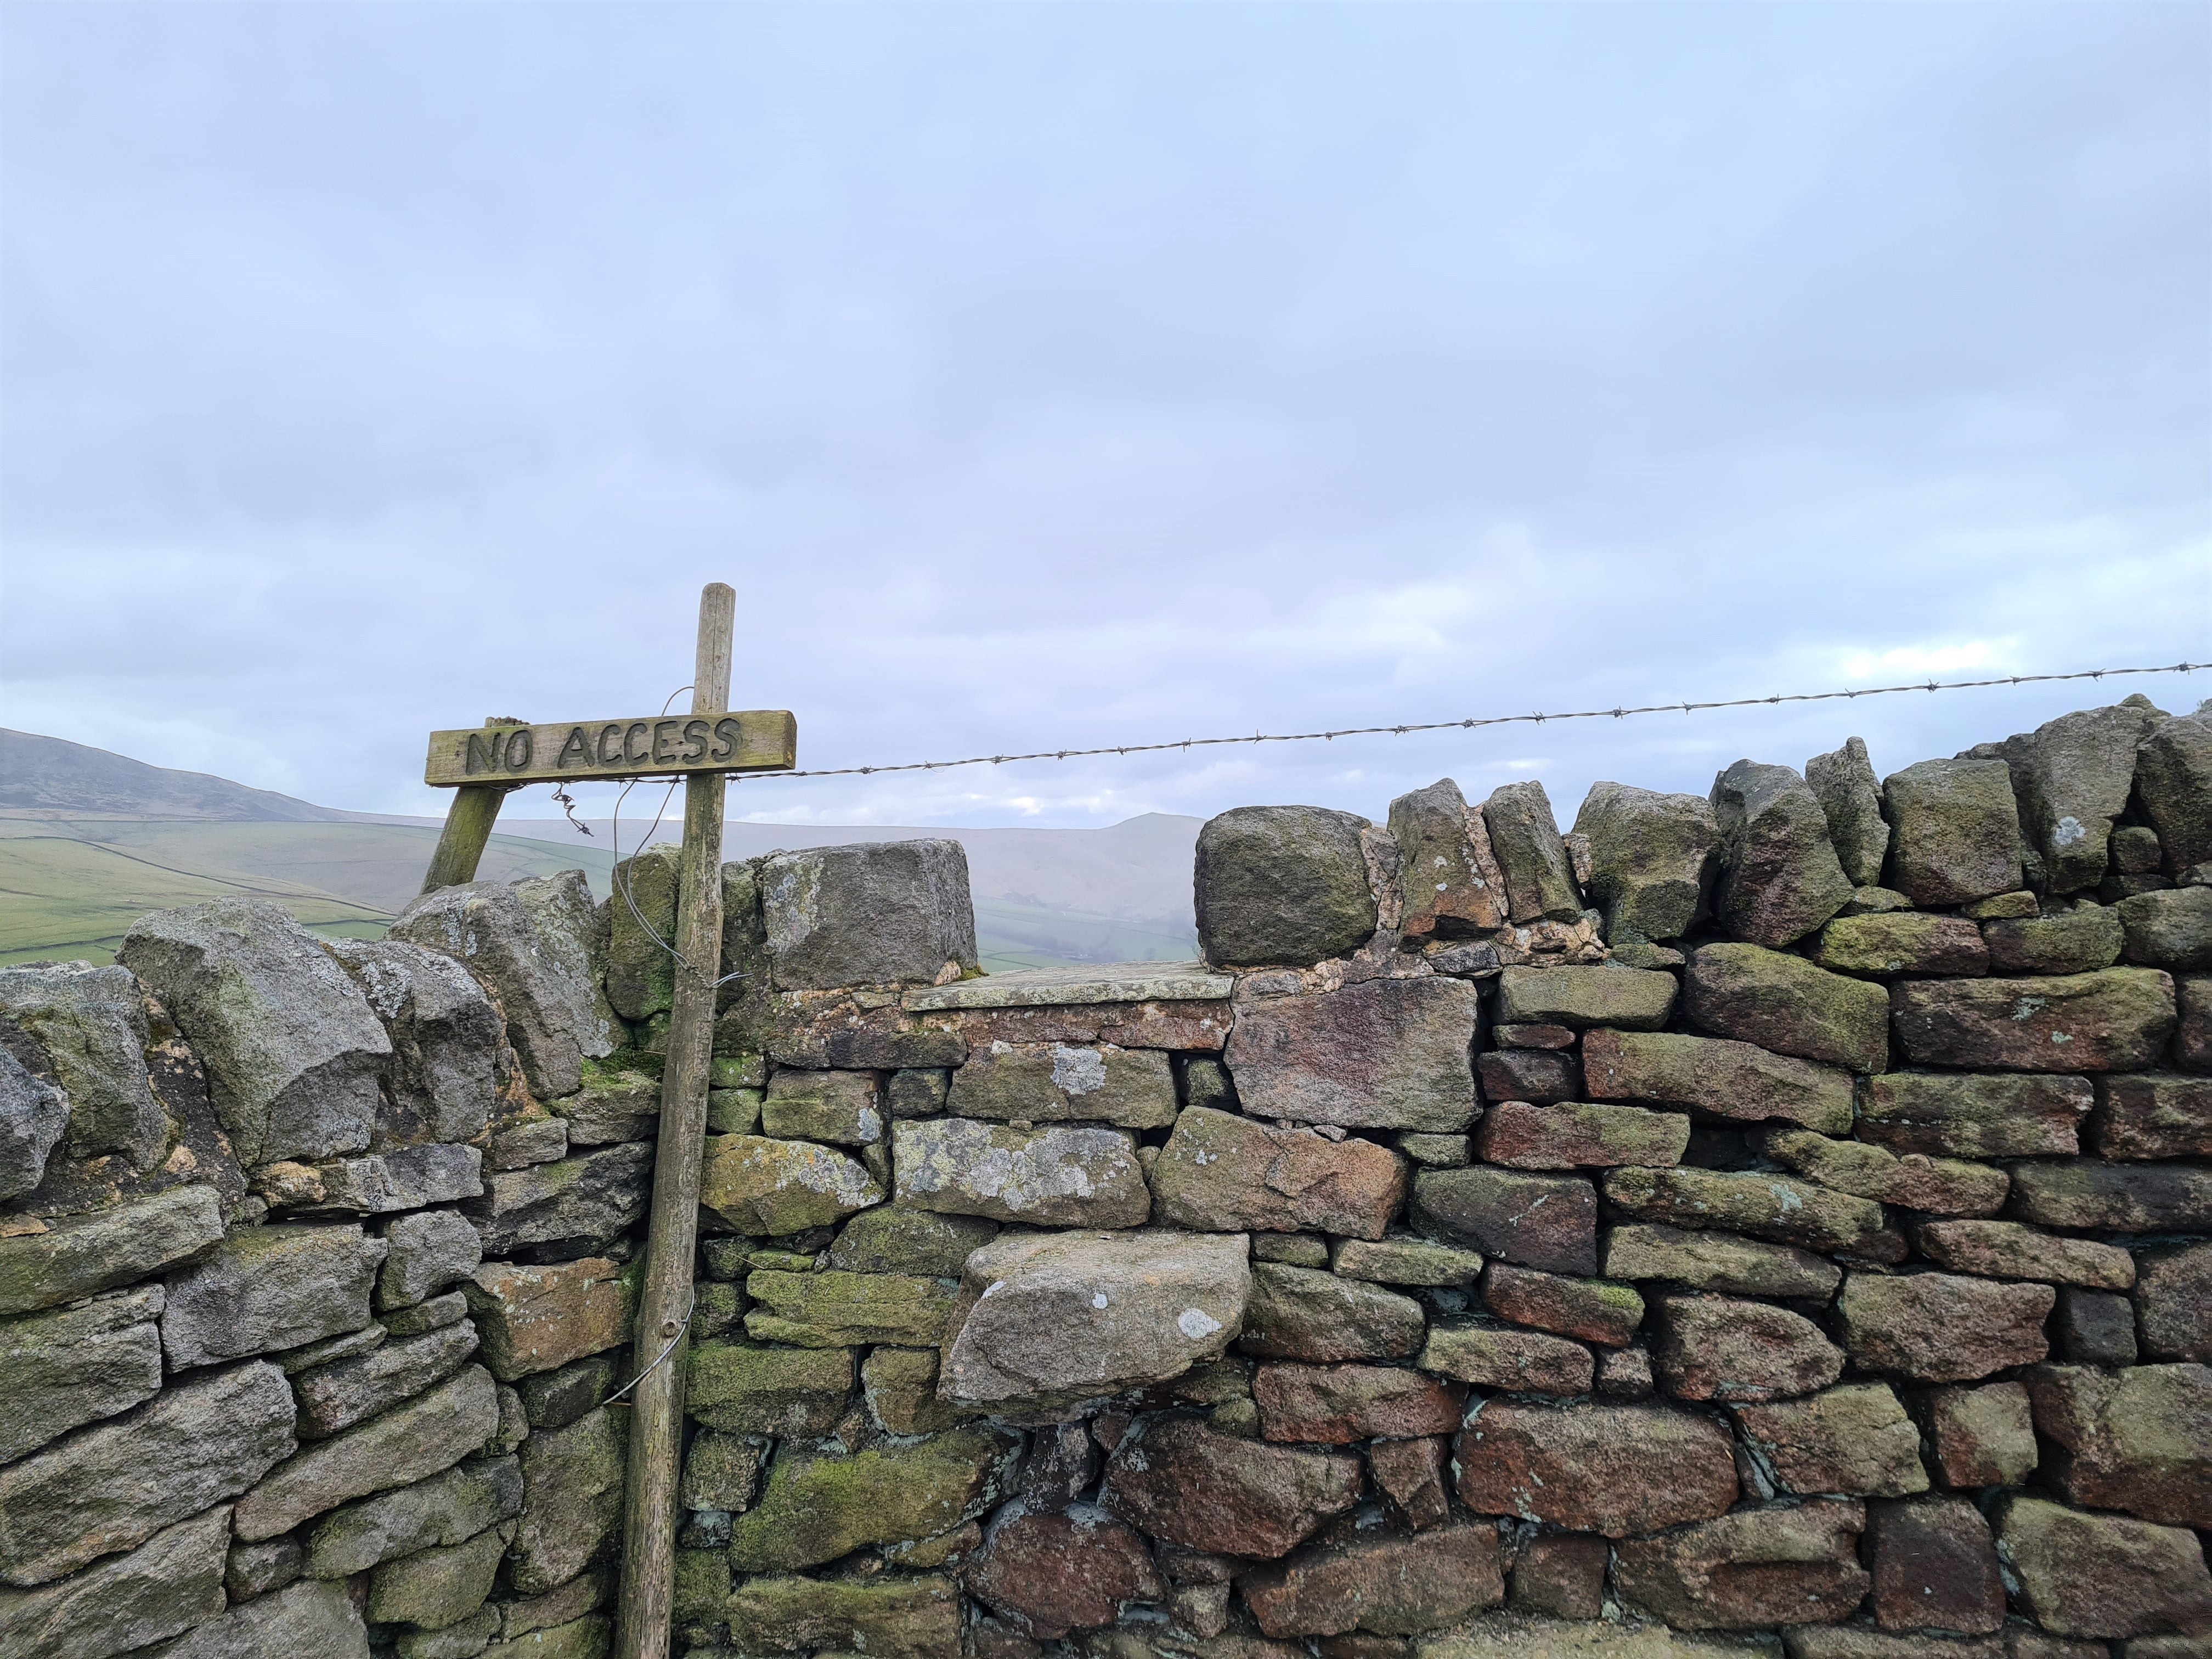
2152,1114
1337,1404
1978,1437
992,1640
1529,1074
1200,1609
1394,1584
1614,1469
2173,1302
1720,1077
1624,1373
2006,1249
1533,1036
1934,1566
1854,1439
1411,1474
2116,1019
1049,1574
2120,1198
1572,1136
1936,1328
1300,1313
1781,1207
2104,1574
1752,1570
1501,1357
1713,1347
1176,1478
1561,1574
1591,1310
2138,1440
1966,1114
1223,1173
1538,1221
1063,1461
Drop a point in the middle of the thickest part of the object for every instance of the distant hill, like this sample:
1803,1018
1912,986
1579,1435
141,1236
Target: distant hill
51,778
90,841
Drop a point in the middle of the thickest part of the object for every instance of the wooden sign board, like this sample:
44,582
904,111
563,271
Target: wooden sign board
578,751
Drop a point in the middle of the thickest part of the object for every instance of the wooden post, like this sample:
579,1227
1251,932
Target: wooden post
656,1431
468,818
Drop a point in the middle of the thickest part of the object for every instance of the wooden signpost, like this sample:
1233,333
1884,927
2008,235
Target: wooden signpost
482,766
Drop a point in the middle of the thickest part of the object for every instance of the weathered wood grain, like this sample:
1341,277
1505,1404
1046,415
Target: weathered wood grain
653,745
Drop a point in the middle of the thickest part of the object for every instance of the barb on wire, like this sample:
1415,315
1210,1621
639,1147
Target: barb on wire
1467,724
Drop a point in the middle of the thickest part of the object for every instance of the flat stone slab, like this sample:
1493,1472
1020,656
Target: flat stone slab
1076,985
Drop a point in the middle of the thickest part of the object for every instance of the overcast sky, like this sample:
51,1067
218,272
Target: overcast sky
1064,374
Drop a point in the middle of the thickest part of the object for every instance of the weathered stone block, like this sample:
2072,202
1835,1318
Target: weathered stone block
337,1396
895,1239
1390,1583
1933,1186
1855,1440
1385,1053
899,1618
720,1471
443,1510
1503,1357
1064,1175
1780,878
581,1204
1785,1004
2076,941
2116,1020
900,1385
1410,1476
1222,1173
1297,1313
1978,1437
2096,1328
553,1400
66,1369
257,1569
445,1040
1282,884
1962,1114
641,973
1454,886
1717,1261
615,1103
1397,1262
1176,1478
2173,779
572,1500
1338,1405
835,1310
1843,781
1547,1222
1590,1309
1935,1564
2171,929
1626,998
1611,1469
436,1588
1539,878
430,1432
2071,777
799,1393
1651,858
169,1583
1906,942
2173,1302
538,1319
2151,1115
2120,1198
1937,1328
1955,831
1562,1574
1736,1080
1045,1323
1573,1135
2138,1439
1752,1570
404,1178
839,1107
424,1253
112,1486
755,1184
2103,1574
1778,1207
90,1023
2005,1250
1714,1348
820,1505
1050,1573
1529,1074
292,1051
33,1113
1056,1083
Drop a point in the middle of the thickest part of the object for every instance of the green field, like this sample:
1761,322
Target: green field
70,889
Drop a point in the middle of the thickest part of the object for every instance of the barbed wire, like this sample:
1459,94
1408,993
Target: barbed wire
1467,724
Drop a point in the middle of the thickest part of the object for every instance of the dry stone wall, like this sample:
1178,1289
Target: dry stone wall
1774,1223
